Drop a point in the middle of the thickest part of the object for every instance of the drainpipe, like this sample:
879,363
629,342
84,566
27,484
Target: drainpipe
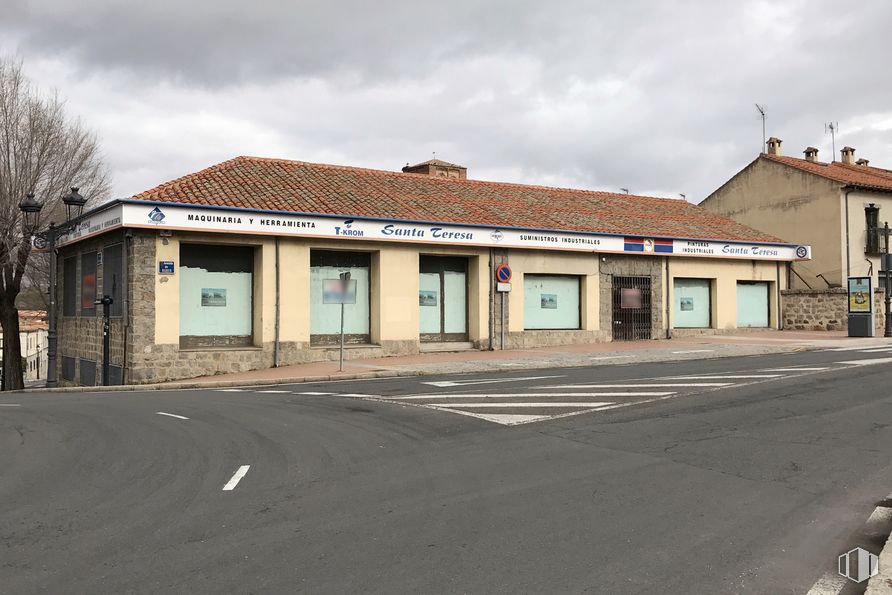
276,343
780,318
848,252
128,237
492,323
668,300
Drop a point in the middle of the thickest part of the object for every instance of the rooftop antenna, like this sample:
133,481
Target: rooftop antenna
761,109
625,190
832,128
683,195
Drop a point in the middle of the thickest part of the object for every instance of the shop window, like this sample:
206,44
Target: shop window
216,296
551,302
326,267
112,277
69,287
692,303
752,304
88,284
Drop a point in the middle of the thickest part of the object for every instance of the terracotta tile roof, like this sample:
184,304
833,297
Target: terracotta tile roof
32,320
863,176
283,185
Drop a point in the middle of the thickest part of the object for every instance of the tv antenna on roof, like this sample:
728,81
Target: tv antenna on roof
625,190
761,109
832,128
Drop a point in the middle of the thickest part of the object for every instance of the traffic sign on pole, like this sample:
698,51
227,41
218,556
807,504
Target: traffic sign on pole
503,273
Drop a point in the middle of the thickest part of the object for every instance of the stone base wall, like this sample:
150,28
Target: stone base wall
824,309
534,338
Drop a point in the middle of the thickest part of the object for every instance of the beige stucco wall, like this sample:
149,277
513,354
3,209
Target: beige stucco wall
860,264
394,305
394,287
793,205
724,276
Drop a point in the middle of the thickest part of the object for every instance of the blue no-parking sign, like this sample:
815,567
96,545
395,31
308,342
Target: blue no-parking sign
503,273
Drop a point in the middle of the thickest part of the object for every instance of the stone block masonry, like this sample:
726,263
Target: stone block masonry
825,309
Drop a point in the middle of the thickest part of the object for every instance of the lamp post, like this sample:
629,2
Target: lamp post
888,284
74,207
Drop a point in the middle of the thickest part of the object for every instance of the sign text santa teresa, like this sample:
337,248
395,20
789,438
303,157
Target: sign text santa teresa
179,217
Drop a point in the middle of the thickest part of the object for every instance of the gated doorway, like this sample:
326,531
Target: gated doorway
443,299
631,308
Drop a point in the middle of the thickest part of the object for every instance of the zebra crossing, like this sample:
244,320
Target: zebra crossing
552,400
520,400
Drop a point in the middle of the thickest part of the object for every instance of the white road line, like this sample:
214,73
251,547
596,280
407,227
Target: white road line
797,369
274,391
9,405
695,351
655,385
877,350
357,395
734,377
867,362
315,394
242,471
445,383
528,395
860,347
171,415
231,390
512,405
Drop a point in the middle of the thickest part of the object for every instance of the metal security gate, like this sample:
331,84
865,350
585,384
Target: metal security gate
631,308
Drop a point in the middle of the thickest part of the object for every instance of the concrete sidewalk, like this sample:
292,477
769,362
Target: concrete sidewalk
590,354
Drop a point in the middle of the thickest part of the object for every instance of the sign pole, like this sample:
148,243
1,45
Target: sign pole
502,326
345,285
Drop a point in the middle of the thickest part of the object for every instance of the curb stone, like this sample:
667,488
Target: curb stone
472,367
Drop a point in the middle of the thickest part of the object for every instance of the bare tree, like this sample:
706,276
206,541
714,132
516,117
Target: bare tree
43,151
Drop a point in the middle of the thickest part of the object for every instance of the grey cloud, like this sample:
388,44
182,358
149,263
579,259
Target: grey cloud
651,96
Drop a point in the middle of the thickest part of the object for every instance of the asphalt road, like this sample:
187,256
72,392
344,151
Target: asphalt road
754,486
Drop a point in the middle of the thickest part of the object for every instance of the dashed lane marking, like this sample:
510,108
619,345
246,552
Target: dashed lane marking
649,385
314,394
274,391
527,395
515,404
734,377
867,362
797,369
354,395
171,415
231,390
9,405
237,477
445,383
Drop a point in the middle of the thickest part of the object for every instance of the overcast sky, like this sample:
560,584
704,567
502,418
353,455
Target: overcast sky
652,96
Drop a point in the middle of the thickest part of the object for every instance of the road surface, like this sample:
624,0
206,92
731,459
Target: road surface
735,475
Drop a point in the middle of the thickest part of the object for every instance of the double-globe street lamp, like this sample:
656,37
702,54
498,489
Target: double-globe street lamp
74,205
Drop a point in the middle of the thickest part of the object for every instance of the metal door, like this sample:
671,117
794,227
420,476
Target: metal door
631,308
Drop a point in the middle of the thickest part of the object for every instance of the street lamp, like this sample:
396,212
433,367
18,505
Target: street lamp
74,206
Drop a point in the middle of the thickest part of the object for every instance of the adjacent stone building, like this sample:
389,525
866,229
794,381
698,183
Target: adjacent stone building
239,267
838,208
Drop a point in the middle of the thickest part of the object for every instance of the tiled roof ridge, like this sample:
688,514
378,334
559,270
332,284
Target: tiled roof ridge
389,173
844,173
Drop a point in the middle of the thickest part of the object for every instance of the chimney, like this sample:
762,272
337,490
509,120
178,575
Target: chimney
811,154
438,169
848,155
862,161
774,146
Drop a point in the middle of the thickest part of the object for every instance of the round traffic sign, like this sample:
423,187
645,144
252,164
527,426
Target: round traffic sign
503,273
